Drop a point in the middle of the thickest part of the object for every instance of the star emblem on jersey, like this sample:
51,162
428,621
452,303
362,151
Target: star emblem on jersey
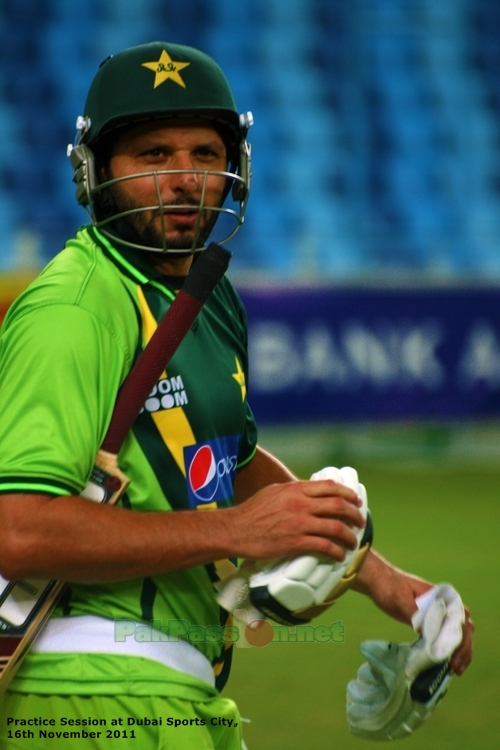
166,69
239,376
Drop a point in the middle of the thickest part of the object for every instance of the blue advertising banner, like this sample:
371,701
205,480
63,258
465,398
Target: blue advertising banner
368,353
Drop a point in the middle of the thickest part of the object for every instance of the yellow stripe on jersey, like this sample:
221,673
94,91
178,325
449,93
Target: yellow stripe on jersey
149,324
172,424
176,432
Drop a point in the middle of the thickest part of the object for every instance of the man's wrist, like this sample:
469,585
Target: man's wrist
373,567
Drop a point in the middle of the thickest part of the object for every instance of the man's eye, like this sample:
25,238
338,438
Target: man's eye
153,153
207,152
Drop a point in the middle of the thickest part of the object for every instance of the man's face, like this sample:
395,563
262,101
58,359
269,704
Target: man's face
159,146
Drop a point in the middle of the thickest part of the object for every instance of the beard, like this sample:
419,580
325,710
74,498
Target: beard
141,227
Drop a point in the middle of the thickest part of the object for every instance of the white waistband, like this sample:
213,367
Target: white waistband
96,635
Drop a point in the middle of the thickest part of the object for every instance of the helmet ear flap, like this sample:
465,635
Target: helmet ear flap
240,190
83,163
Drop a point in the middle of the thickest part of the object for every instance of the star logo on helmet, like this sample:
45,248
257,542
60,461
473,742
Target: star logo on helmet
166,69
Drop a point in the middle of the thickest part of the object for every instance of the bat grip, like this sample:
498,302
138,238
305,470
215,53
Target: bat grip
205,273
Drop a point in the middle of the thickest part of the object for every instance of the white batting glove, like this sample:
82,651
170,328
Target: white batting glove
295,590
399,686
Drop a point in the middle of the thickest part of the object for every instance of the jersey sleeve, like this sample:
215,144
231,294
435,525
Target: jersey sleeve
60,370
248,442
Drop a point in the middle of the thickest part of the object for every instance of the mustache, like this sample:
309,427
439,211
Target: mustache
188,201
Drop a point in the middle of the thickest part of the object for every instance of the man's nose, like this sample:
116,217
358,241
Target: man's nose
185,178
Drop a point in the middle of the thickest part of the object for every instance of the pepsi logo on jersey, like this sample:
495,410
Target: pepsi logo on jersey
210,470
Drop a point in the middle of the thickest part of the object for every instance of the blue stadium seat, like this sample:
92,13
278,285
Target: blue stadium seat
235,53
9,228
26,12
184,23
446,16
487,16
333,15
289,45
10,135
236,20
267,236
278,14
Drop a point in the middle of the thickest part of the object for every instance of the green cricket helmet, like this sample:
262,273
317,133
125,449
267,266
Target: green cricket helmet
163,81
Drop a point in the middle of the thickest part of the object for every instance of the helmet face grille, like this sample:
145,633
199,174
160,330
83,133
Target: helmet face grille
228,219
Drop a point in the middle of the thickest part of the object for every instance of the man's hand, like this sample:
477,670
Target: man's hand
462,657
297,517
395,592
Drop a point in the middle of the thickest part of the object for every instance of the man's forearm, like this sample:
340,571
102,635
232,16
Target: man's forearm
391,589
73,539
374,567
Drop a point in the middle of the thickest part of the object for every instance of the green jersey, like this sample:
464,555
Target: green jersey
66,346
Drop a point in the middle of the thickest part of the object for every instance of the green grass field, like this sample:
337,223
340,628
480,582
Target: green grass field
436,511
